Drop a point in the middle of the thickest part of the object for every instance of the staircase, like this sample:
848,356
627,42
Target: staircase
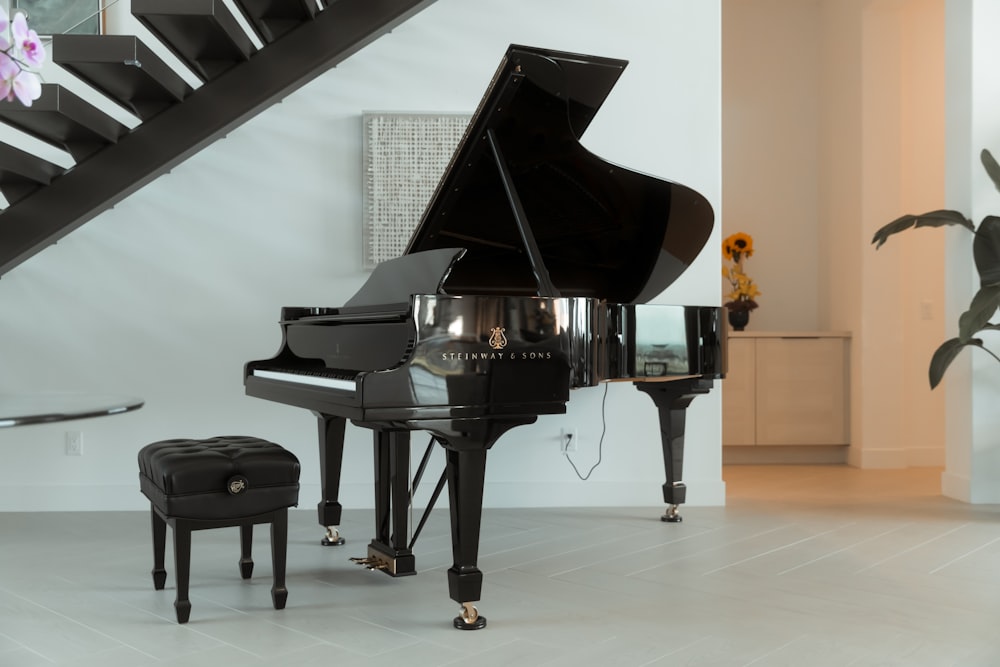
300,39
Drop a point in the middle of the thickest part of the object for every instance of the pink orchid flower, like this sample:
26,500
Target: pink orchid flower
27,87
4,24
9,70
18,83
27,41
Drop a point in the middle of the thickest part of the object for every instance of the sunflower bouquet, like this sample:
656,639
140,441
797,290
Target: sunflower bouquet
743,292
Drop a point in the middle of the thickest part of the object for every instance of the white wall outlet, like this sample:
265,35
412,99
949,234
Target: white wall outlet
569,441
74,443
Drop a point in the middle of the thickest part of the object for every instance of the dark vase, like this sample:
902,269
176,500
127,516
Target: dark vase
738,319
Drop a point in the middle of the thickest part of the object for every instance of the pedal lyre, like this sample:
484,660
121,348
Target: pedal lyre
371,563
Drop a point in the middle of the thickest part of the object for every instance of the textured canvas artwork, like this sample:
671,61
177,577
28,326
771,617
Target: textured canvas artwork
405,155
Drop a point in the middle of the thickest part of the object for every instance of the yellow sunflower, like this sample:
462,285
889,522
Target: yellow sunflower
737,245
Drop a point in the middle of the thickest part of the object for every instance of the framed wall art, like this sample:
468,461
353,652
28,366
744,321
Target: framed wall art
405,156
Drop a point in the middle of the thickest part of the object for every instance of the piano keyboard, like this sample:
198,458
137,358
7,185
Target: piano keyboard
314,380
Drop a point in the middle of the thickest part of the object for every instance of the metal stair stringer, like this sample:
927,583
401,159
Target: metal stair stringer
162,142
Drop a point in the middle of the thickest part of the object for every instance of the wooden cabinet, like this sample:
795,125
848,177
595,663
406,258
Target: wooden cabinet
787,389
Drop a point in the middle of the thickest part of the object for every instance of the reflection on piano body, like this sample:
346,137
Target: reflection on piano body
526,277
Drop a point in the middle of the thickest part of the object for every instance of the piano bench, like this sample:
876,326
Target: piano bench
218,482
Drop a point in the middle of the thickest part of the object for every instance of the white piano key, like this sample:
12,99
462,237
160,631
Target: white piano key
313,380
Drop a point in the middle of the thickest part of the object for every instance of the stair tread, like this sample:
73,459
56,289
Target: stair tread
272,19
204,34
22,173
62,118
123,68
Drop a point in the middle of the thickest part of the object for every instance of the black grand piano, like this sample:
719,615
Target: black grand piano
526,277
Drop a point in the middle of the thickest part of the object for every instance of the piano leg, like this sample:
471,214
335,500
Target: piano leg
466,469
672,399
465,443
331,457
389,550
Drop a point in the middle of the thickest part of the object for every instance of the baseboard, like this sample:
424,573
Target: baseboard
878,458
103,498
925,457
700,492
777,455
958,487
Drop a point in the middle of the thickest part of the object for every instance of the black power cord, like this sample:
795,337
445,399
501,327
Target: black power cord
600,443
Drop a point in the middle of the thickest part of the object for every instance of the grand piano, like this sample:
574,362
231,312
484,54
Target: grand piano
526,277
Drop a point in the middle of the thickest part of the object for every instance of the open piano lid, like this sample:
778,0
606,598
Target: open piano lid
541,215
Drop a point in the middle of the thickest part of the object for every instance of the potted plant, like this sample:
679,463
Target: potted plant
985,253
743,292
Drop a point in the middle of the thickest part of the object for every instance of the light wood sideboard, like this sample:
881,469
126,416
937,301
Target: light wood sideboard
787,388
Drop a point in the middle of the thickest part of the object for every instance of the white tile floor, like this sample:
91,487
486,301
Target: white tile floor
812,566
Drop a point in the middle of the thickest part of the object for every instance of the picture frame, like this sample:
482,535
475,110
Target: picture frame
56,17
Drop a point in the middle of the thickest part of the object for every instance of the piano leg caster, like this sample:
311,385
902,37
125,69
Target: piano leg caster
672,515
332,538
469,619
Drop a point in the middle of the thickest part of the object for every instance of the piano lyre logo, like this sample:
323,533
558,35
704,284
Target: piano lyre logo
497,340
237,484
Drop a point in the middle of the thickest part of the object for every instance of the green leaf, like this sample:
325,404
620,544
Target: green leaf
984,305
944,355
992,168
938,218
986,250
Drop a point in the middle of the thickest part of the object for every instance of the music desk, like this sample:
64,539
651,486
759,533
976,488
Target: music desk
25,409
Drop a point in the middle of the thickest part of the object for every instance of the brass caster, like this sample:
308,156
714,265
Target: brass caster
672,515
332,538
469,619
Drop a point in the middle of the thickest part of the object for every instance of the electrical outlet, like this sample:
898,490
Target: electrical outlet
74,443
569,441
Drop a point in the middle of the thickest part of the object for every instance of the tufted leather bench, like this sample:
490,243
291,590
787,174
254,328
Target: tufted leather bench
214,483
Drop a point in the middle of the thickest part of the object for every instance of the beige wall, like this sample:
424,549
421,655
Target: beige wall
833,125
923,189
770,111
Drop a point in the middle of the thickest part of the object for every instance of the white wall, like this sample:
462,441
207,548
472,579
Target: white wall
170,293
973,381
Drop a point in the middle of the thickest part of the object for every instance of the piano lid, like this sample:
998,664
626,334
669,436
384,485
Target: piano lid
541,215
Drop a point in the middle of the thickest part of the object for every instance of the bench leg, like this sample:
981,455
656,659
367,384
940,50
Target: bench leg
182,529
159,546
279,550
246,542
182,565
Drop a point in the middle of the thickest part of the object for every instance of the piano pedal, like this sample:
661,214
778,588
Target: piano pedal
672,515
371,563
469,619
332,537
